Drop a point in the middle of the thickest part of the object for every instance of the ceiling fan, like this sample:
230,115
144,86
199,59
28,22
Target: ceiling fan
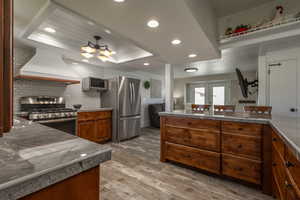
102,52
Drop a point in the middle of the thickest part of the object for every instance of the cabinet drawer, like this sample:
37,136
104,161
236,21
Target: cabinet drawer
293,166
292,191
103,115
194,123
208,139
242,145
206,160
241,168
278,170
278,144
88,116
242,128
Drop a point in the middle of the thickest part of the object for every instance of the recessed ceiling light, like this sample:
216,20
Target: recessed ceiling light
85,60
91,23
192,55
107,31
75,63
146,64
50,30
153,23
191,69
87,55
119,1
176,42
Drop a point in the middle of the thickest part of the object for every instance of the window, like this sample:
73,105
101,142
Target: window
218,95
200,95
213,93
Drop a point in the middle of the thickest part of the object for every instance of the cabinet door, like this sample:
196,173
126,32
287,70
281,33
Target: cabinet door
86,130
103,130
6,66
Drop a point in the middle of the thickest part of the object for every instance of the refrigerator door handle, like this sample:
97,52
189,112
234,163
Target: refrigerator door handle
130,93
133,92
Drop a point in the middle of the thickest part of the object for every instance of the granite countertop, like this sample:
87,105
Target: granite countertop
33,157
94,109
287,127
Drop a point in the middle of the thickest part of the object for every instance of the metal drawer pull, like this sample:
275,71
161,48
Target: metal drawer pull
289,164
286,183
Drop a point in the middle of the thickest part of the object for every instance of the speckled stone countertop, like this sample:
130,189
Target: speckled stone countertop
94,109
287,127
33,157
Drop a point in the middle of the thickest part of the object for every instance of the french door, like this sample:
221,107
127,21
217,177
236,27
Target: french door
216,93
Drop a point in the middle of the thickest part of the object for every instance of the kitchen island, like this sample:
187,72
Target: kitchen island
257,149
38,162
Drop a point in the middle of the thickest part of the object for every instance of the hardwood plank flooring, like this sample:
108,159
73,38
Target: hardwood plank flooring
136,173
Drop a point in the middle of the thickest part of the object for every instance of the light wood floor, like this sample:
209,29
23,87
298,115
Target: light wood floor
135,173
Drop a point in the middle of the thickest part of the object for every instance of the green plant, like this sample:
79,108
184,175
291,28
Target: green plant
147,85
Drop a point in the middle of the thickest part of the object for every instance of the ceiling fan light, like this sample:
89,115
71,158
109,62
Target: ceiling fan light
191,69
88,49
87,55
103,58
106,52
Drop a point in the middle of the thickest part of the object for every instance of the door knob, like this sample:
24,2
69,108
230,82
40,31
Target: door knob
293,109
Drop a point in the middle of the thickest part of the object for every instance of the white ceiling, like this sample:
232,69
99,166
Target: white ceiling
127,22
228,7
74,31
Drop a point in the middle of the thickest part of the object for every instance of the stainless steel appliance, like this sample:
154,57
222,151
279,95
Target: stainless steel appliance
49,111
123,95
90,83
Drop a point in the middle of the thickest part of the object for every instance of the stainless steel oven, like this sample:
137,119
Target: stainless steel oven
49,111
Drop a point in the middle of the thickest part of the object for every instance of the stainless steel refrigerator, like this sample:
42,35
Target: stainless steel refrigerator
124,96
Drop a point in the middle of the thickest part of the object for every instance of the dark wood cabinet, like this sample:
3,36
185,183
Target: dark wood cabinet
285,171
95,126
82,186
231,149
6,65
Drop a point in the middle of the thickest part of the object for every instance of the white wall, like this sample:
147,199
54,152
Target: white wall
256,15
204,13
270,56
73,93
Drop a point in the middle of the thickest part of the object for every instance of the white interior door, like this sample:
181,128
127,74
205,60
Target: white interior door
283,87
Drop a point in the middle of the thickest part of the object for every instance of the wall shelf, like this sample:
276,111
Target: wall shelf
287,28
40,78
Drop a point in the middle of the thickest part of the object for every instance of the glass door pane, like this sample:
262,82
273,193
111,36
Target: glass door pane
218,95
200,95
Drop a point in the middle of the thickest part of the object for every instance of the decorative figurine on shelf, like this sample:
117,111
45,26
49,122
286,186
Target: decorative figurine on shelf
228,31
278,16
242,28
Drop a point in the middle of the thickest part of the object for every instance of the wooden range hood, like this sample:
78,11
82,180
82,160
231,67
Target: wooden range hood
41,78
